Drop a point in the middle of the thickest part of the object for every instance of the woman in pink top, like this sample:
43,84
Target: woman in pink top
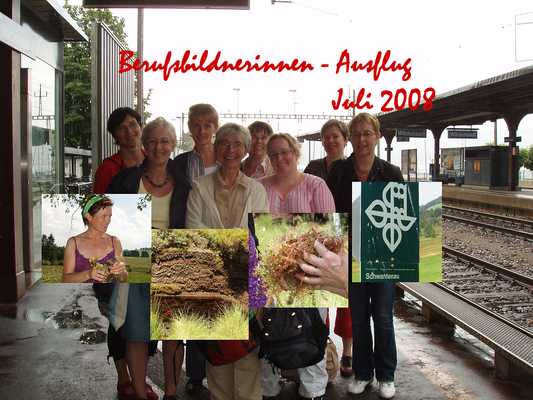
291,191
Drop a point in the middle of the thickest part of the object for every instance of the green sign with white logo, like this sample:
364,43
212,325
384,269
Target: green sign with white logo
388,231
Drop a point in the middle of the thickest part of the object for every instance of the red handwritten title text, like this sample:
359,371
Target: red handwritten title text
382,63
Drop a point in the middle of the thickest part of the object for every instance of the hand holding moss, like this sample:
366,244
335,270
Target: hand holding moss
329,269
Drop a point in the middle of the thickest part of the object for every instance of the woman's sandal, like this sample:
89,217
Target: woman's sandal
122,395
150,393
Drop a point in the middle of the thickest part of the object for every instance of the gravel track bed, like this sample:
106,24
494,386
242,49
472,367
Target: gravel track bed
497,294
511,252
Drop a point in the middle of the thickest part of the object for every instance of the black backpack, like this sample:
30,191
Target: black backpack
293,337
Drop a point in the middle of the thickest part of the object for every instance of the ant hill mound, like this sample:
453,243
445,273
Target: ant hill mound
201,268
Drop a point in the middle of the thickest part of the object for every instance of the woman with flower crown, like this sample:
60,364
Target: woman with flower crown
94,248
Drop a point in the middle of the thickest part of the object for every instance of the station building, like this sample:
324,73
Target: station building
32,96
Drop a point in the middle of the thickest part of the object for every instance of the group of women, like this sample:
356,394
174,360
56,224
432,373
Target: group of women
212,187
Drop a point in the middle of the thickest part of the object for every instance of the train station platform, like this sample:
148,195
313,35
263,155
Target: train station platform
52,346
517,202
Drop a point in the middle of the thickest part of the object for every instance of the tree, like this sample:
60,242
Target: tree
429,232
525,158
78,74
144,253
49,248
51,252
147,115
135,253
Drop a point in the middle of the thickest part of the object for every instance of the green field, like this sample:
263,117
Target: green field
431,257
435,206
430,267
138,271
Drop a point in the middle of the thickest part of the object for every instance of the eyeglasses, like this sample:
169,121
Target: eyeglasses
283,153
122,128
263,138
153,142
365,134
226,145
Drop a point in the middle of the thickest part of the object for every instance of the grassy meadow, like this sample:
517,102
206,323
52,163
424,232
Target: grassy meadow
138,270
430,267
231,323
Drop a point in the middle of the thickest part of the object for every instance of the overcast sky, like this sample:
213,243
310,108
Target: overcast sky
451,44
131,226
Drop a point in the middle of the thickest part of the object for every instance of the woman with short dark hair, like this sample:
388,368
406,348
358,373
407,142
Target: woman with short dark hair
334,135
160,177
124,124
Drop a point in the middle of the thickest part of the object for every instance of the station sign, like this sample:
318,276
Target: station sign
512,139
462,134
411,133
402,139
18,38
385,223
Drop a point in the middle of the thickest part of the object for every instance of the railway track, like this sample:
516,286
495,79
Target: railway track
493,287
492,222
486,266
527,223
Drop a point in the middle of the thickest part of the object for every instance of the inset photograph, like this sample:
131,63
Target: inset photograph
96,238
397,232
284,242
199,284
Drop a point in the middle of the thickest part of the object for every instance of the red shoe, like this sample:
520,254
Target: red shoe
122,395
151,395
346,366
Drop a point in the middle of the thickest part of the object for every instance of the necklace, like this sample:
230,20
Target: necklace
155,184
364,172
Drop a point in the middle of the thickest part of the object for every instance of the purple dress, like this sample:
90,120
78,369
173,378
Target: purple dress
83,264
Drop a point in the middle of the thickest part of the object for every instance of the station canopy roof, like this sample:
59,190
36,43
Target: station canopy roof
475,104
52,21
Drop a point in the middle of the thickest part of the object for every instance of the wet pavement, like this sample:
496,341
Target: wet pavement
52,346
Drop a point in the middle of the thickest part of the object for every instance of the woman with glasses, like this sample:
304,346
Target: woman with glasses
371,358
288,189
334,135
124,124
160,177
291,191
257,164
223,199
362,165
